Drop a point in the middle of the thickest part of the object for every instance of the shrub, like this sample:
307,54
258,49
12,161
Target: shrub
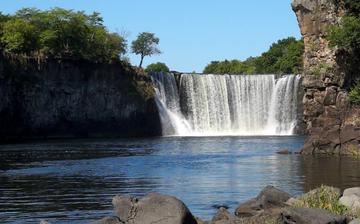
347,35
321,68
354,93
157,67
325,198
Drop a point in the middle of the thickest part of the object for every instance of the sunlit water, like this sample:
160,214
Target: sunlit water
74,181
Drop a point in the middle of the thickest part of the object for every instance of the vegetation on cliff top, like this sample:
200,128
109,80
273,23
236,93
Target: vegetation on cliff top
283,57
157,67
31,34
60,33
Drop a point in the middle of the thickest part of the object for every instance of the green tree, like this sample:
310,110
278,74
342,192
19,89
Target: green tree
145,45
283,57
60,33
157,67
19,36
347,35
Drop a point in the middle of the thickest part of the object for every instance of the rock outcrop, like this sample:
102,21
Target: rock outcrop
272,205
153,208
74,99
310,216
332,123
270,198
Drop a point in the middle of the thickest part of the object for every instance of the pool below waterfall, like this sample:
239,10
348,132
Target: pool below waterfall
74,181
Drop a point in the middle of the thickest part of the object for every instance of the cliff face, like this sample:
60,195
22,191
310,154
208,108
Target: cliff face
332,123
74,99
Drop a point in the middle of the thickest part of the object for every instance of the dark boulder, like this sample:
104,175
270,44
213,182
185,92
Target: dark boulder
310,216
270,198
153,208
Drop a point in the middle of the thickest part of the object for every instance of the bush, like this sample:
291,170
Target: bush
325,198
157,67
347,35
354,94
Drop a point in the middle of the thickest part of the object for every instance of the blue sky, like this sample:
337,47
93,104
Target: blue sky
192,32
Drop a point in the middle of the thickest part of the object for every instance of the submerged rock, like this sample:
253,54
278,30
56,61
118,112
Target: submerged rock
284,152
110,220
310,216
153,208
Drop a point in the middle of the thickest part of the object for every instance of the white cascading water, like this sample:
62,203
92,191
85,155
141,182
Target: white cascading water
205,105
167,101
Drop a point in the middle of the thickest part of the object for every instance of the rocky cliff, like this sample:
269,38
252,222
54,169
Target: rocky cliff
74,99
332,122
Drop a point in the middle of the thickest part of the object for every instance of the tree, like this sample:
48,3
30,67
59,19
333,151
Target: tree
60,33
157,67
19,36
145,45
283,57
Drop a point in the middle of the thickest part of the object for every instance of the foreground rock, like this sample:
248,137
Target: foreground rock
270,200
271,206
310,216
351,199
153,208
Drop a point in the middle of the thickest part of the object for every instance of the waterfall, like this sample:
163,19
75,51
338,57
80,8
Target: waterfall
167,101
205,105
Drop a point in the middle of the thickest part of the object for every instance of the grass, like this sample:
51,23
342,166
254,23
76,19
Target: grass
325,198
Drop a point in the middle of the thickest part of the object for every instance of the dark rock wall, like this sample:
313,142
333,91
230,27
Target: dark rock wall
328,115
74,99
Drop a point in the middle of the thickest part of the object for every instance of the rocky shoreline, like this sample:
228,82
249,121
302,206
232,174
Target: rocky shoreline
324,205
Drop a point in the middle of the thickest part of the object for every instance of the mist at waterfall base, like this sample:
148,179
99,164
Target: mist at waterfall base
220,105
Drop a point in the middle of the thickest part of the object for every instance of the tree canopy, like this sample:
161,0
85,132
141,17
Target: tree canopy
60,33
157,67
145,45
283,57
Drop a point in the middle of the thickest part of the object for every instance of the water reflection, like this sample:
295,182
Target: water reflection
74,181
332,171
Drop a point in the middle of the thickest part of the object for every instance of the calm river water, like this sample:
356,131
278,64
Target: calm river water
73,181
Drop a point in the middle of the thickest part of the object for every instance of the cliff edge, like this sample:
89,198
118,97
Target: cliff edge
61,99
333,124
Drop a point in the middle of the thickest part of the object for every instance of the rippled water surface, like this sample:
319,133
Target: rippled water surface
73,181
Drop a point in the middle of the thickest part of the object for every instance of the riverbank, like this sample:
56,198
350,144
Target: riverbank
320,206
